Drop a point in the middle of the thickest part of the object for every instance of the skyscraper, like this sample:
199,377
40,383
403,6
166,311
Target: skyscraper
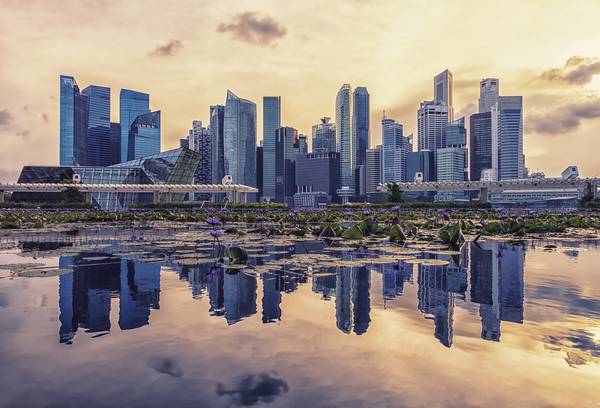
318,173
73,122
395,150
480,144
432,119
442,92
217,118
489,89
285,184
301,145
259,172
374,175
323,137
132,105
507,138
144,136
346,144
422,162
239,139
98,141
360,124
271,122
199,140
115,142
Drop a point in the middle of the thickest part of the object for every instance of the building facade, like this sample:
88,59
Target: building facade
323,137
507,138
422,162
239,140
285,170
373,169
98,136
217,118
318,173
144,136
131,105
271,122
199,140
489,91
360,124
346,144
395,151
442,92
432,119
73,122
480,144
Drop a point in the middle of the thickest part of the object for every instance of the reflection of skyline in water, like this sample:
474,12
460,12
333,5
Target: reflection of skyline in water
489,274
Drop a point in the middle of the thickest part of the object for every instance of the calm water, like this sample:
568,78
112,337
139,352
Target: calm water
153,322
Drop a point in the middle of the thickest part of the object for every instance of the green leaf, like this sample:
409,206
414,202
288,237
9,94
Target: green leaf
397,234
354,232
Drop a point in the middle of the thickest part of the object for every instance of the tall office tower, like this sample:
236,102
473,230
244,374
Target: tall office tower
132,105
480,144
317,174
431,125
346,144
73,123
451,161
507,138
199,140
98,142
285,171
271,122
442,92
422,162
301,145
373,170
240,139
456,137
259,172
217,119
115,142
144,136
185,142
323,137
395,150
489,89
360,124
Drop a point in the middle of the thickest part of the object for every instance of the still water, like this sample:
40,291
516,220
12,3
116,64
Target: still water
152,321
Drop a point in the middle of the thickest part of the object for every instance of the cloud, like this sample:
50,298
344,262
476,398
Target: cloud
254,388
251,28
168,50
165,365
5,117
563,119
577,71
24,134
45,117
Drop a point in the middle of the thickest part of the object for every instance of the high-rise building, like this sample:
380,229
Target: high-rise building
115,142
98,141
301,145
132,105
480,144
442,92
507,138
199,140
144,136
489,89
451,161
239,139
395,150
317,173
360,123
346,144
323,137
73,123
285,171
432,119
259,172
271,122
422,162
373,170
217,118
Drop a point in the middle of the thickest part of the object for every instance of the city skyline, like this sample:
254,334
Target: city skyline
183,69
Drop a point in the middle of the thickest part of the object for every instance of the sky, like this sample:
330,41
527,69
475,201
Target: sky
187,53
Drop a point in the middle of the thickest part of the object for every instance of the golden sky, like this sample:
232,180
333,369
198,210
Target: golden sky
187,53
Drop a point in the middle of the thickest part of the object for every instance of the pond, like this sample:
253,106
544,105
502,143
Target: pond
153,318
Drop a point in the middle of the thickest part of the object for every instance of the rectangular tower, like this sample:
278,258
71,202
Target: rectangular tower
271,122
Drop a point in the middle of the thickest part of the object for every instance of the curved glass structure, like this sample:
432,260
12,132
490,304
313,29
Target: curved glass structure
345,141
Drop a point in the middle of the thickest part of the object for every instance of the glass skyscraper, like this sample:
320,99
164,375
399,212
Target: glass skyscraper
98,137
323,137
285,185
239,140
395,150
360,124
73,122
480,144
507,138
442,92
271,122
199,140
217,118
432,119
132,105
144,136
346,144
489,89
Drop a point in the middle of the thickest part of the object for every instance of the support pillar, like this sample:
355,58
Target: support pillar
169,198
483,195
1,196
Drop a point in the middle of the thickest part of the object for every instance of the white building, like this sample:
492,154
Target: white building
508,161
489,89
346,144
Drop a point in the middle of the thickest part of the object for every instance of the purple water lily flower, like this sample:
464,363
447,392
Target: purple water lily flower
396,208
215,233
213,221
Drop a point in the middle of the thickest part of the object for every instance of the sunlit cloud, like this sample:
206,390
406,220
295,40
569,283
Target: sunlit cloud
563,119
576,71
168,50
5,117
251,28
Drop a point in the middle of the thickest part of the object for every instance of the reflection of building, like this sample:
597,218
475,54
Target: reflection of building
272,287
343,312
85,294
239,292
171,167
435,300
497,285
393,278
325,284
361,301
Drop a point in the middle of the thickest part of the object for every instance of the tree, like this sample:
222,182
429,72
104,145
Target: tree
394,193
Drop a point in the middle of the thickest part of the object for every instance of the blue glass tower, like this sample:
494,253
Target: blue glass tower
271,122
73,118
395,151
144,136
480,139
239,140
217,118
98,139
132,105
360,124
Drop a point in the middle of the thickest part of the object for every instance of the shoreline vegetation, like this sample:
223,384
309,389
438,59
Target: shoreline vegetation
399,223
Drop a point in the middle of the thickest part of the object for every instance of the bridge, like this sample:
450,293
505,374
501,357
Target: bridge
484,187
238,192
